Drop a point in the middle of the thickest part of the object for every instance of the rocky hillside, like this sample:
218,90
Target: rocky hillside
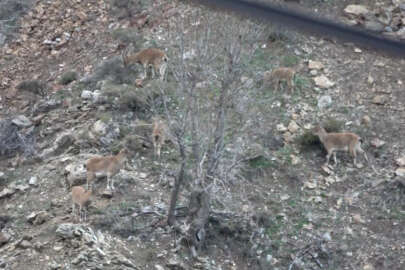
65,96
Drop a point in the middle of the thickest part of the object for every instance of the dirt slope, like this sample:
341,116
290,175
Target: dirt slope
287,213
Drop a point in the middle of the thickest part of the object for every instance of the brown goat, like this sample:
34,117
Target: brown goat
280,74
109,164
158,135
80,197
343,141
150,57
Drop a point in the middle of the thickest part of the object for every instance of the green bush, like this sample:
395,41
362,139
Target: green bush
128,36
332,125
307,139
290,60
34,86
68,77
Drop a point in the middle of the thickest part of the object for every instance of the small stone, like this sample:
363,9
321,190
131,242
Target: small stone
295,160
356,10
400,172
107,194
287,136
313,72
324,101
358,219
323,81
139,83
142,175
357,50
100,128
293,127
315,65
379,100
33,181
24,244
57,248
377,143
327,236
3,263
2,176
31,217
6,193
22,121
41,218
281,128
4,238
98,97
368,266
86,94
400,161
366,120
370,80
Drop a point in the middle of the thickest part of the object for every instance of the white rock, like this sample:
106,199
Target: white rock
100,128
293,127
86,94
401,161
377,143
315,65
98,97
326,236
379,100
356,10
323,81
22,121
281,128
2,175
33,181
366,120
324,101
400,172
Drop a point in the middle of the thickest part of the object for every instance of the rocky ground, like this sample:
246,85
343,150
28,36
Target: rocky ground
65,97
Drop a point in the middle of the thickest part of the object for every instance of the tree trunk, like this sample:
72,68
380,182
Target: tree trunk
199,210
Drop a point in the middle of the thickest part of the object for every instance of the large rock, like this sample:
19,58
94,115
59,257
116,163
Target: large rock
400,172
315,65
38,218
323,81
99,128
61,143
4,238
293,127
400,161
76,173
324,101
69,230
7,192
21,121
356,10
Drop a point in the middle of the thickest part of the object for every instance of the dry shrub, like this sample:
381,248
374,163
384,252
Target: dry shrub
12,141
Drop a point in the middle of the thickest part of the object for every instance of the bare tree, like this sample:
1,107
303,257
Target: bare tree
212,54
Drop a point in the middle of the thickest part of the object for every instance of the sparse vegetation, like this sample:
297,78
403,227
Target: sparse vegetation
332,125
10,12
68,77
307,140
247,197
13,141
290,60
129,36
34,86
